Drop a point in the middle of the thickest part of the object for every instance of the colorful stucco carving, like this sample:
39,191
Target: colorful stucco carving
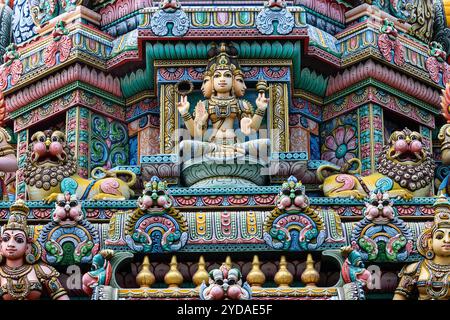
249,150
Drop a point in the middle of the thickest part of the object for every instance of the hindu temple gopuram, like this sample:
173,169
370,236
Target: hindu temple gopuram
225,149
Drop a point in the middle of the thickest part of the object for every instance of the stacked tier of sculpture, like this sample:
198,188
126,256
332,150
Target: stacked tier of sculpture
202,149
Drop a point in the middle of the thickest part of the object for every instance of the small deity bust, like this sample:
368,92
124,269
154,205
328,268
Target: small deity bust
223,87
22,275
429,278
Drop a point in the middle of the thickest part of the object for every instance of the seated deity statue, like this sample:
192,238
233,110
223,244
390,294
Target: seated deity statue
223,86
429,278
22,275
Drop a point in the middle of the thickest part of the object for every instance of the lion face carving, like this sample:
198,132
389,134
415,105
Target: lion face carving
407,160
51,170
49,160
405,169
48,148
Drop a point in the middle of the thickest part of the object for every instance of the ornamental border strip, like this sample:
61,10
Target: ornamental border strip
134,169
327,19
158,159
64,90
375,83
290,156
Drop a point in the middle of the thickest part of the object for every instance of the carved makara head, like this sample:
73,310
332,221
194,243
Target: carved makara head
154,195
67,211
292,195
169,5
225,282
276,5
379,208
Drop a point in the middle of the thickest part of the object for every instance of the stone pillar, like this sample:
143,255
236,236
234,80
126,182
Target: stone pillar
278,121
77,132
22,147
169,119
371,136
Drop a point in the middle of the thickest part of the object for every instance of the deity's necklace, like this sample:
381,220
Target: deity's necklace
438,273
20,289
220,104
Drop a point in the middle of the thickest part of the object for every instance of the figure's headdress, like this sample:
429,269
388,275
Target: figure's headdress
223,58
441,221
442,213
18,217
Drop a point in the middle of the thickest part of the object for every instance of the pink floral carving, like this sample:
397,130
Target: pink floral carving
435,68
386,44
14,69
63,46
340,146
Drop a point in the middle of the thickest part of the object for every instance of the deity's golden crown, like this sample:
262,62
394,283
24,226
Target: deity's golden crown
224,58
442,213
18,217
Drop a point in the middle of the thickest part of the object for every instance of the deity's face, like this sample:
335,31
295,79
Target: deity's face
239,86
223,81
207,86
14,244
441,242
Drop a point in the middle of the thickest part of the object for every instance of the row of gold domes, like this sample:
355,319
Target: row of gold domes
255,278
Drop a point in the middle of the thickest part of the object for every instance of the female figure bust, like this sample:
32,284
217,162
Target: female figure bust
223,83
21,276
429,278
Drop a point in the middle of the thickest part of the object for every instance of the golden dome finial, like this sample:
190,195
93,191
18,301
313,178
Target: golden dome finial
310,276
283,278
201,274
145,278
173,278
256,277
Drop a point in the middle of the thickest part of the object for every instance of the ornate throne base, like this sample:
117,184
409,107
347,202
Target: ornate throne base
224,173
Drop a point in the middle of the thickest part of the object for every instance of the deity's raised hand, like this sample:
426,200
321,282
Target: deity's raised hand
262,101
200,113
246,126
183,105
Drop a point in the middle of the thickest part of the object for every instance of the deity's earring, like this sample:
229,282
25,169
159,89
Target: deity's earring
1,258
429,255
30,258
